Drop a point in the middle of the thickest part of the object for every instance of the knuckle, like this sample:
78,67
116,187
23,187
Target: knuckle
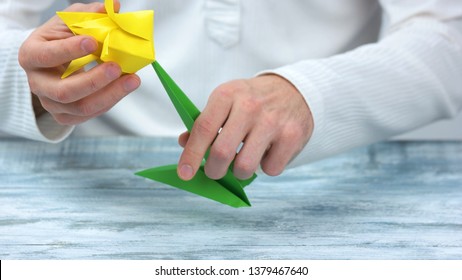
23,57
47,105
272,169
50,55
294,137
250,105
270,121
64,50
76,7
60,119
80,7
84,108
223,92
230,89
93,84
204,126
61,95
64,119
34,86
191,155
45,56
244,167
222,153
100,112
214,172
114,95
292,133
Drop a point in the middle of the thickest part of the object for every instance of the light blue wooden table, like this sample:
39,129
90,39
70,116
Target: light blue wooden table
80,200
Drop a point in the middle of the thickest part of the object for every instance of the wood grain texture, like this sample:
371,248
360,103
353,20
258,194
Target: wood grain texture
80,200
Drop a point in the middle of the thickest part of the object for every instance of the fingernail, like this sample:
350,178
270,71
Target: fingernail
88,45
186,172
131,83
113,71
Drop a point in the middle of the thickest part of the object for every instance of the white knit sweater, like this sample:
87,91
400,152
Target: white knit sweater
360,88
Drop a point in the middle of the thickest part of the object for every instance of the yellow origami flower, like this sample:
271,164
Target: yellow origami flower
123,38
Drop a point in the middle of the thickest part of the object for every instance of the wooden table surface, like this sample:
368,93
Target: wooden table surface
80,200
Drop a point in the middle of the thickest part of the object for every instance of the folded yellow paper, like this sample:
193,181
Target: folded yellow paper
126,39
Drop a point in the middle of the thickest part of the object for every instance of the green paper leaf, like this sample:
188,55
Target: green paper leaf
228,190
200,185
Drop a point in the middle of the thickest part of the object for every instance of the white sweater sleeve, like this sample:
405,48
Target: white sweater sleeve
16,113
411,77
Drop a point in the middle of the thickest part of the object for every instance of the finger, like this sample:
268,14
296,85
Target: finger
116,6
47,54
55,27
53,43
277,157
90,8
204,132
105,99
281,152
77,86
96,103
56,22
69,119
225,146
183,139
251,154
66,119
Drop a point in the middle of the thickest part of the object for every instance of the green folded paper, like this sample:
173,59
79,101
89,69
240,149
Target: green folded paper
228,190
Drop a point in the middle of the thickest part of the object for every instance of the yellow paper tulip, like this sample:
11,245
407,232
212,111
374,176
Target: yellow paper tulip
126,39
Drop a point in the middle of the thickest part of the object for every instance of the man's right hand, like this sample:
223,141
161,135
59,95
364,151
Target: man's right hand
83,95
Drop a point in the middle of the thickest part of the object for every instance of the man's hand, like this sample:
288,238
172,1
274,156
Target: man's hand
82,96
267,114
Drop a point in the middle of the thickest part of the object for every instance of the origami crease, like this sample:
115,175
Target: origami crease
227,190
125,38
128,40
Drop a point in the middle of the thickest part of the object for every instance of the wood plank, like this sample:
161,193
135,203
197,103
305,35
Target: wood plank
80,200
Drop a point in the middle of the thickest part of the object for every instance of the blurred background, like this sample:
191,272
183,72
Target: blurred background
442,130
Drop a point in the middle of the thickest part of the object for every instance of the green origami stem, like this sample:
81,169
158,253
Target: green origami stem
183,105
228,190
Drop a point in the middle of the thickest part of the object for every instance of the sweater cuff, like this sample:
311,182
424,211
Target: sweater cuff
17,116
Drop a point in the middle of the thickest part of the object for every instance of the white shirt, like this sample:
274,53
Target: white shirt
359,88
